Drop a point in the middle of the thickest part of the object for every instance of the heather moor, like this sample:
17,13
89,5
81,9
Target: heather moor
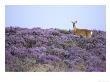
53,50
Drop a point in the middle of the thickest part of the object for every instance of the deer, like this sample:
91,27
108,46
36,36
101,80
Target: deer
81,32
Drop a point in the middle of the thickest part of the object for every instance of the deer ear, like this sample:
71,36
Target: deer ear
76,21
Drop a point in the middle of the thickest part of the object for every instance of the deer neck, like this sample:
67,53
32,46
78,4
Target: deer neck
74,25
75,28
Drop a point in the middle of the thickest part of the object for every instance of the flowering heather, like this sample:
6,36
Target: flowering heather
53,50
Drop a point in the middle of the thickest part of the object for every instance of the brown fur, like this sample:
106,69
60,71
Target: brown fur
82,32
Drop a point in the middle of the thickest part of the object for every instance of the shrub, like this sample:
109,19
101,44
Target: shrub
53,50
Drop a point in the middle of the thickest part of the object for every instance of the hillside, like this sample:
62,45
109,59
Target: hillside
53,50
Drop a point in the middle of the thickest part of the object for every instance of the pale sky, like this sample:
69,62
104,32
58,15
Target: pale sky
88,16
